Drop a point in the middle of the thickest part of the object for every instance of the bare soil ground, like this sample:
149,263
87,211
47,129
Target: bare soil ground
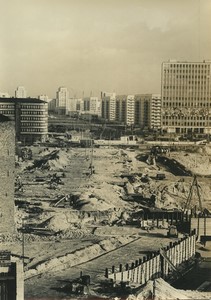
76,225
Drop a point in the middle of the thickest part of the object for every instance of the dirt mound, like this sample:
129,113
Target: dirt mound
162,290
198,162
55,160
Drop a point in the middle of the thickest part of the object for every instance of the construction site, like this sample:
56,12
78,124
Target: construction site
104,221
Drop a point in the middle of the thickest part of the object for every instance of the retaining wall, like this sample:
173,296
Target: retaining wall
154,265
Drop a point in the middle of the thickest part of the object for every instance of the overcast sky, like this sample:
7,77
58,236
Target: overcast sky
94,45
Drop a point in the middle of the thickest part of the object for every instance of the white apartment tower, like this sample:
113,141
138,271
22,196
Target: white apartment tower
148,110
20,92
108,106
62,96
185,96
125,109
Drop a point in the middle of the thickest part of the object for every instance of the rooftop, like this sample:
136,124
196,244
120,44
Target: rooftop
22,100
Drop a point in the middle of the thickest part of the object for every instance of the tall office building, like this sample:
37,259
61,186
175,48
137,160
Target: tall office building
185,97
20,92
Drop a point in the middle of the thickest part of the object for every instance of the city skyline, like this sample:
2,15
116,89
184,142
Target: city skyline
98,45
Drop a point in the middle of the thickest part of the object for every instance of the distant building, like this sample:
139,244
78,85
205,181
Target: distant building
44,98
11,277
142,109
108,106
185,97
30,116
125,109
52,105
7,167
92,105
73,105
62,98
20,92
148,111
4,95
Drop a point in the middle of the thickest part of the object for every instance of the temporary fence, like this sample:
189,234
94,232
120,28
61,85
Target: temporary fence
156,264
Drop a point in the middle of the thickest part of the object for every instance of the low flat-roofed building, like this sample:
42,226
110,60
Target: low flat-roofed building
11,277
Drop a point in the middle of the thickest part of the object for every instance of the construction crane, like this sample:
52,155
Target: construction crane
194,184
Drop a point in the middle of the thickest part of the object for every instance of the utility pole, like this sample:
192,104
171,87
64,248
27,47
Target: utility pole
23,241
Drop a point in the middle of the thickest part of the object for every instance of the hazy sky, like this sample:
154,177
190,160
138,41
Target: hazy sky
94,45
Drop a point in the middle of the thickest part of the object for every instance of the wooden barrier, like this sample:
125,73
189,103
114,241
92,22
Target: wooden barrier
155,265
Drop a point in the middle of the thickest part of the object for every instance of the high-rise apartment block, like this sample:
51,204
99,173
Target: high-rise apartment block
142,110
185,96
125,109
62,96
108,106
20,92
92,105
147,111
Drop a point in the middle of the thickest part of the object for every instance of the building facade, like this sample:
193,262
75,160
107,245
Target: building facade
20,92
7,180
108,106
125,109
147,111
30,116
62,96
185,97
92,105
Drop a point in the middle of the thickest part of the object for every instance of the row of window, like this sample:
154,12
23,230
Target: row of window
202,66
186,104
182,87
32,118
33,112
187,123
7,112
7,106
203,78
188,84
34,124
32,106
33,130
170,71
196,118
186,98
